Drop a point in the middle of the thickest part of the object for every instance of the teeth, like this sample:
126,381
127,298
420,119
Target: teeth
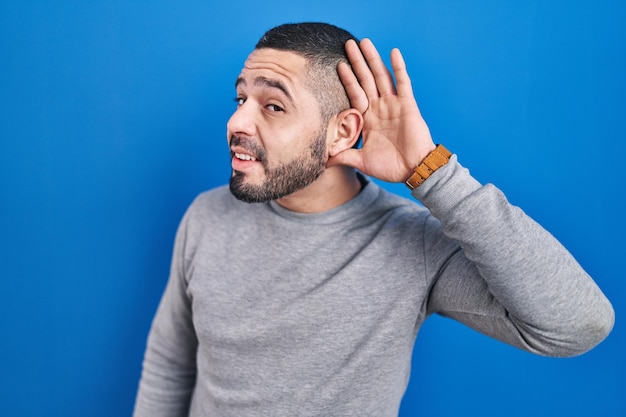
244,156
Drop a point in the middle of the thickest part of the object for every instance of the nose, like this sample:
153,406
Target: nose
242,121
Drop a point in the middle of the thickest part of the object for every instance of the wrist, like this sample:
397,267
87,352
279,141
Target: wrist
438,157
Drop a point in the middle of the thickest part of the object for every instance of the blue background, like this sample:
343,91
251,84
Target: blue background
112,118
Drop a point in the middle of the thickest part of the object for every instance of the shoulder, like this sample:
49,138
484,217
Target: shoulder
399,217
399,207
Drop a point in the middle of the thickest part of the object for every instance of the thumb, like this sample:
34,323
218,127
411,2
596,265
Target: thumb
349,157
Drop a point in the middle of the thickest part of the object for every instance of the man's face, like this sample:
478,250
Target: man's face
276,137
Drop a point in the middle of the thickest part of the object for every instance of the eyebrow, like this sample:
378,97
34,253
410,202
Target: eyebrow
267,82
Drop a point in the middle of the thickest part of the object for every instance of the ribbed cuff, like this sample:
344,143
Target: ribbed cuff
446,188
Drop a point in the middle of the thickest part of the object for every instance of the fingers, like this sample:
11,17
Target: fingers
369,68
361,69
356,94
349,157
382,77
403,81
369,78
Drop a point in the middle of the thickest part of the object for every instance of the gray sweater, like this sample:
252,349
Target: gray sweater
268,312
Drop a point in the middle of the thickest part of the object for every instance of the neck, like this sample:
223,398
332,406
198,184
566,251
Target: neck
336,186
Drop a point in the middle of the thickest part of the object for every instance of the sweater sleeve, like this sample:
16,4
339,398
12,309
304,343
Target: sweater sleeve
169,366
509,278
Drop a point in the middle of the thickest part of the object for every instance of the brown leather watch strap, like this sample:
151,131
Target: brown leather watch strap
433,161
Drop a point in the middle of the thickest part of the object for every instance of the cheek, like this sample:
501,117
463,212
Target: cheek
288,143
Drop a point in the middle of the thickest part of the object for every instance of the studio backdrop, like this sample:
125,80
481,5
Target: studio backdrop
113,118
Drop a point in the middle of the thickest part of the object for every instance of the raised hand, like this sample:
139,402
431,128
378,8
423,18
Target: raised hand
395,136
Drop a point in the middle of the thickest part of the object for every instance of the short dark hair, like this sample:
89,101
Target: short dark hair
323,46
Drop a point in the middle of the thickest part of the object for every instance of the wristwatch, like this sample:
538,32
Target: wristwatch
433,161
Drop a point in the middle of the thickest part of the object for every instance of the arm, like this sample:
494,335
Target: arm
510,279
169,367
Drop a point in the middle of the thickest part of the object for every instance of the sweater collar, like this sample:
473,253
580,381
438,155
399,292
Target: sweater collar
352,208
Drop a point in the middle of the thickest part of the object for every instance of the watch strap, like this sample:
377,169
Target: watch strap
433,161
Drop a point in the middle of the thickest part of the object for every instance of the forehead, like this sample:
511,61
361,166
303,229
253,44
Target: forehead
273,64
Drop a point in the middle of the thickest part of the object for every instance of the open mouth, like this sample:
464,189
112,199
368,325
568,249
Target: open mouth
243,161
244,156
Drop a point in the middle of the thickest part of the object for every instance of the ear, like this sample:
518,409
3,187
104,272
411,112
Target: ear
345,131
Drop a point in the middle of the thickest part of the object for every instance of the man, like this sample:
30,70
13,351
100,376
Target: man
308,302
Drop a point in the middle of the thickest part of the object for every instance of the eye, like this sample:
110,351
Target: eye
239,101
274,108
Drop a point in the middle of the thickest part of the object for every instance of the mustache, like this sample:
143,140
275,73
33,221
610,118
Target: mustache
249,146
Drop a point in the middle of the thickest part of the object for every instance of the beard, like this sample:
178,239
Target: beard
283,179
